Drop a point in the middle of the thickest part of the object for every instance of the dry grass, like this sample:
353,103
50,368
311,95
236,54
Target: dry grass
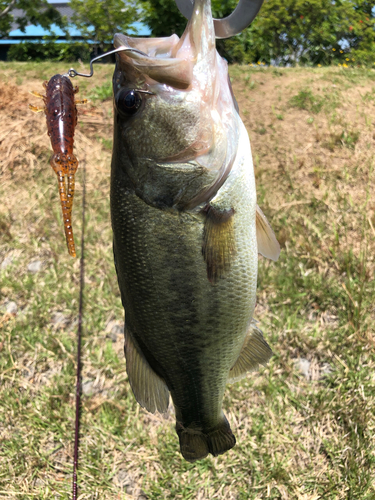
305,424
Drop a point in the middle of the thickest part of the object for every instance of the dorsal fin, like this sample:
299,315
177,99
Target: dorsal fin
268,245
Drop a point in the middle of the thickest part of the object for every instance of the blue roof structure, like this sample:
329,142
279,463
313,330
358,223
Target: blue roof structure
37,32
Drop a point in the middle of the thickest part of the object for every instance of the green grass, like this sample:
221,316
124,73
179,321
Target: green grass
369,96
346,138
347,78
102,92
298,436
306,100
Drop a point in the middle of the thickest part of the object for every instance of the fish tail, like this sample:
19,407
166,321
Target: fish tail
195,445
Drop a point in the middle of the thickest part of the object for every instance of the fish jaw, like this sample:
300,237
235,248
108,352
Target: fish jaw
179,147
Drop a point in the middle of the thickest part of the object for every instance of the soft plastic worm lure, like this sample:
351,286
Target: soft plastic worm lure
61,113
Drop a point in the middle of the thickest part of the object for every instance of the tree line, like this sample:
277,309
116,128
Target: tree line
285,32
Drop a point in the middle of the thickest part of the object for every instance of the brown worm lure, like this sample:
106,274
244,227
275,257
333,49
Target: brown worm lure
61,113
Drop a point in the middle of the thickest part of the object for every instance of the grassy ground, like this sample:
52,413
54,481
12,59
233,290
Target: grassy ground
304,424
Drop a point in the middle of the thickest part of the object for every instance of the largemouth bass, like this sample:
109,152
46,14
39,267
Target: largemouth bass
185,225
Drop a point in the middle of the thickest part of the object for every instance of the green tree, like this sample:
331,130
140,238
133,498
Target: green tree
308,32
38,12
362,32
286,31
99,20
164,18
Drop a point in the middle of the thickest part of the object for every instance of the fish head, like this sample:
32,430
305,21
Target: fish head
176,124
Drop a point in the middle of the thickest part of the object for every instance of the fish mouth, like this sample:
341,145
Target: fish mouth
172,60
153,58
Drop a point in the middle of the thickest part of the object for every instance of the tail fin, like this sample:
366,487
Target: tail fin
195,445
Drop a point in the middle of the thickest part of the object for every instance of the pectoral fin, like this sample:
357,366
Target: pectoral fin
149,389
268,245
255,352
218,242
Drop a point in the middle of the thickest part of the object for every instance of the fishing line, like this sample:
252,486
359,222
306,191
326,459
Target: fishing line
79,336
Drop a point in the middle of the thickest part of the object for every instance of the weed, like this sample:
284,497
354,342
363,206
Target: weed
345,138
277,115
250,84
306,100
107,143
349,138
261,129
101,93
369,96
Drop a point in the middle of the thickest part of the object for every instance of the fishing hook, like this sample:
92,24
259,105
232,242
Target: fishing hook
242,16
72,72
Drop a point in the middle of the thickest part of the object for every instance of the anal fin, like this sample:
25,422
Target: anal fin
255,352
268,245
149,389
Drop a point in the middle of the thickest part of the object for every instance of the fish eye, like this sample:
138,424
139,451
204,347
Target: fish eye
128,102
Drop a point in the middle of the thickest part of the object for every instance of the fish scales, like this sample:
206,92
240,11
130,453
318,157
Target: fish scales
165,301
183,208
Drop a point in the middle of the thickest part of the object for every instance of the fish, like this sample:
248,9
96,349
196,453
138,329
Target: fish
186,230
